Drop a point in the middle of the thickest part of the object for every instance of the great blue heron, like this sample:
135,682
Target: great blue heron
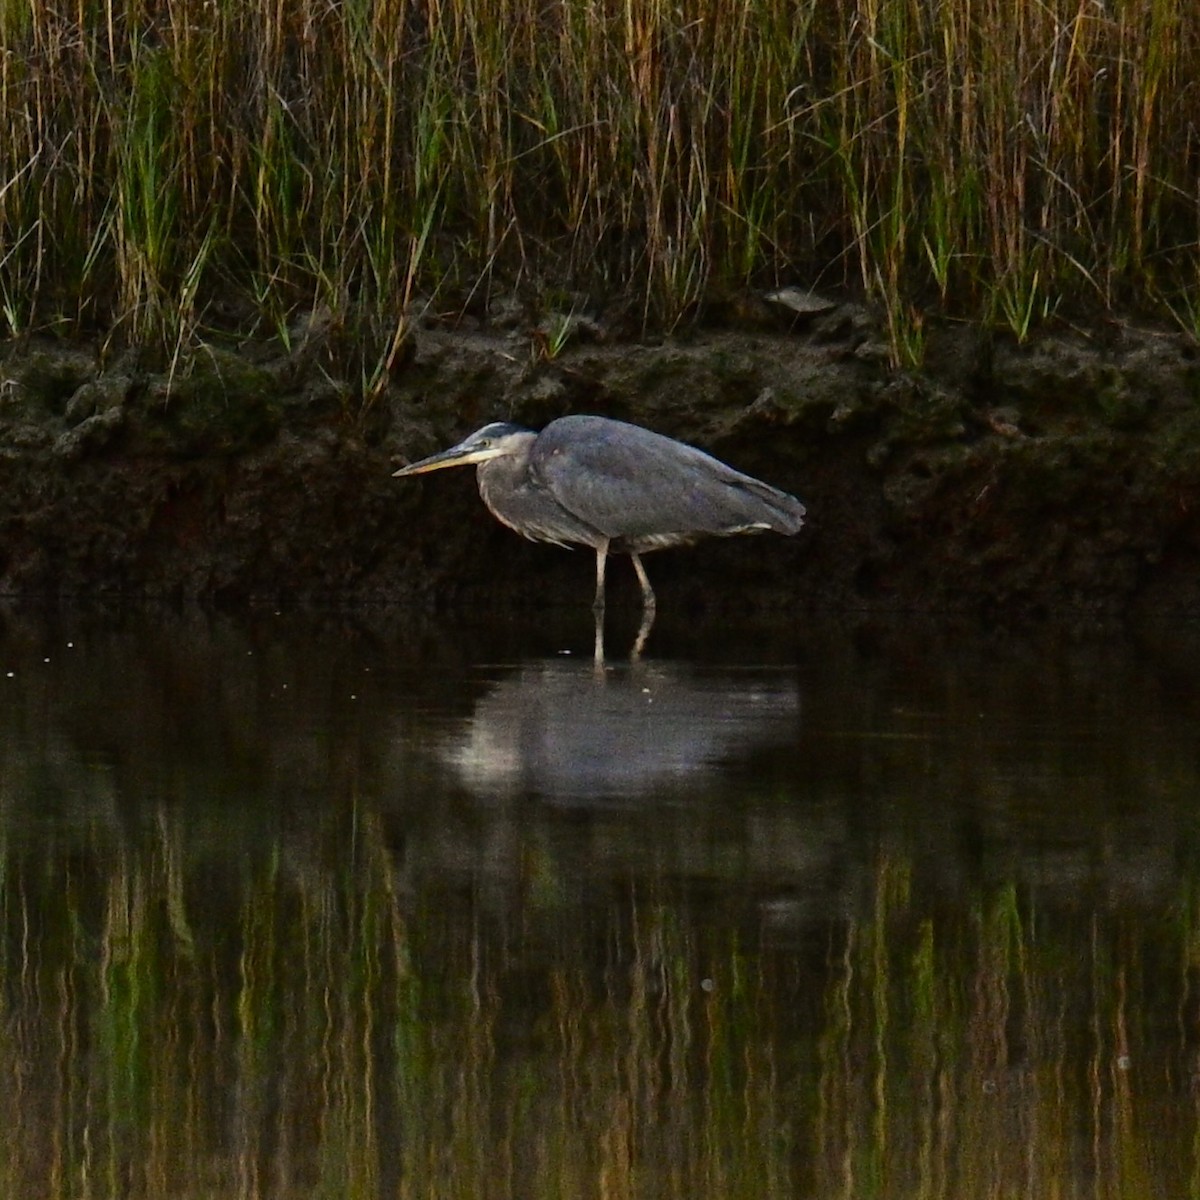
621,489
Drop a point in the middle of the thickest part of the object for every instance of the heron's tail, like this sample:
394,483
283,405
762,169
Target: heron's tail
772,509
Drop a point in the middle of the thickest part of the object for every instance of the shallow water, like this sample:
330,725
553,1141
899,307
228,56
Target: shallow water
301,905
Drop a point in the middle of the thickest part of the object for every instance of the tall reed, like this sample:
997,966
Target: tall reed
167,170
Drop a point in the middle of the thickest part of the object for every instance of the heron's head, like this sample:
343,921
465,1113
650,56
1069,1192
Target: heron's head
492,441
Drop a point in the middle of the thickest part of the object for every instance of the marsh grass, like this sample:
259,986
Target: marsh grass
167,170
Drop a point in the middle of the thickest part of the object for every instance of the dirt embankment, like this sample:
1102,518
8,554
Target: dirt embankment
1059,477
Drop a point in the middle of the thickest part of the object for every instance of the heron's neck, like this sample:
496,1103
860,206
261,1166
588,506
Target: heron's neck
501,477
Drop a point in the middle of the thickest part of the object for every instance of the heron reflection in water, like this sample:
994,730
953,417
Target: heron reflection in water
621,489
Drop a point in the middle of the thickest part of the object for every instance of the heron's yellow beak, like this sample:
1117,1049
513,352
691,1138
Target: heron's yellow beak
462,455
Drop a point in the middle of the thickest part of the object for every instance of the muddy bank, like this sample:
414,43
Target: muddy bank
1059,477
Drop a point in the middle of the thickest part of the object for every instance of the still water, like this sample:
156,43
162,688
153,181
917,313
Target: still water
333,905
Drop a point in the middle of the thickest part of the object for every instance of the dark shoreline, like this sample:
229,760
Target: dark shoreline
1056,479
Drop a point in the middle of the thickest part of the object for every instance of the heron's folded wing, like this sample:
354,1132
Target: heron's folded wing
632,483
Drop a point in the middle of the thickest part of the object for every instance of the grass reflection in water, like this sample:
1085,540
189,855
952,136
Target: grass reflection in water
176,1028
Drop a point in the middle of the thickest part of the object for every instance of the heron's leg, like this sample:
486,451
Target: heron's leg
643,633
598,650
601,559
648,600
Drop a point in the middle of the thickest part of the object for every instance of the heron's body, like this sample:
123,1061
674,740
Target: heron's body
591,481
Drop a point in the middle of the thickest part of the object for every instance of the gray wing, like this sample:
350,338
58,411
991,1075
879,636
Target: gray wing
634,484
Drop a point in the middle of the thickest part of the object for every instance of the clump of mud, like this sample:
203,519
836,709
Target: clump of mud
1058,477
